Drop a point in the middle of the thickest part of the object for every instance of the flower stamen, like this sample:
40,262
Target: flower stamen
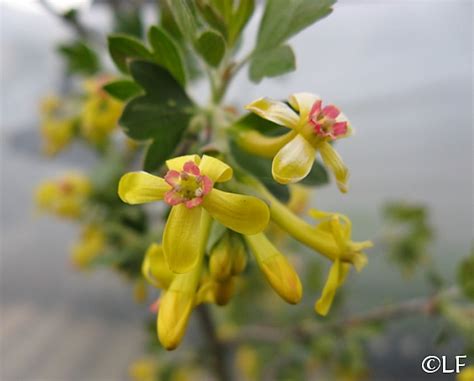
324,121
187,186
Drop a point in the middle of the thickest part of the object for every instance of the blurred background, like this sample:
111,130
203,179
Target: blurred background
401,70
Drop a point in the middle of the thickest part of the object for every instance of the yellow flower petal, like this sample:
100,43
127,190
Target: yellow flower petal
177,163
337,275
294,161
274,111
334,162
140,187
303,102
244,214
155,269
181,238
216,170
266,146
276,268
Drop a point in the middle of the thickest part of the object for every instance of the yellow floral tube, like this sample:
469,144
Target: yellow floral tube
319,238
276,268
266,146
178,300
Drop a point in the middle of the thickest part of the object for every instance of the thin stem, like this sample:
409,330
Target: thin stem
415,306
81,30
219,348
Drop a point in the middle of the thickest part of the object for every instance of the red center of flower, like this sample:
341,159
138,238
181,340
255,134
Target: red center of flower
66,187
324,121
188,186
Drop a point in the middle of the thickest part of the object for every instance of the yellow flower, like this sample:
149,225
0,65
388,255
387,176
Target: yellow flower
331,238
91,244
100,113
145,369
311,131
279,273
467,374
57,129
178,297
189,188
65,196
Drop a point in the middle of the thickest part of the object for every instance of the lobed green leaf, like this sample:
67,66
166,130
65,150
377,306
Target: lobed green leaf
160,116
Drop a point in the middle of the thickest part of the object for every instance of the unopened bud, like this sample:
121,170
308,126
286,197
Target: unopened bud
239,256
220,262
276,268
224,291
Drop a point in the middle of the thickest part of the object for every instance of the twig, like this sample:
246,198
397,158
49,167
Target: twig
80,29
219,348
424,306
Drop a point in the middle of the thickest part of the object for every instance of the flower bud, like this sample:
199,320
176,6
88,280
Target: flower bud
240,256
224,291
276,268
220,262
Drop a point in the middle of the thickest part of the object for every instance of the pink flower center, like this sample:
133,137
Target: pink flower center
323,119
187,186
66,187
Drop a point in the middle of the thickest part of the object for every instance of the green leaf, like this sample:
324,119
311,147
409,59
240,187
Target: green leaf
283,19
124,48
211,46
123,89
317,176
167,21
184,17
212,16
161,115
262,169
239,19
272,63
80,58
166,53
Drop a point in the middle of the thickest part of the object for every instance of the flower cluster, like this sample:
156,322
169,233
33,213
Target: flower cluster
91,115
65,196
190,187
